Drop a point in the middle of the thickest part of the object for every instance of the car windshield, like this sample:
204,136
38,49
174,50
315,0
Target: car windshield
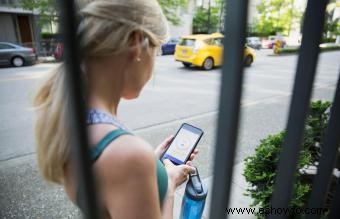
187,42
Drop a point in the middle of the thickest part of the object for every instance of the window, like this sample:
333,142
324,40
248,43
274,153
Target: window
187,42
5,46
217,42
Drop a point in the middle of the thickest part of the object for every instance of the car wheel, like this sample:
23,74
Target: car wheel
208,63
186,64
248,60
17,61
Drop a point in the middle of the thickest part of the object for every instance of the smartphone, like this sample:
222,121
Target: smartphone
183,144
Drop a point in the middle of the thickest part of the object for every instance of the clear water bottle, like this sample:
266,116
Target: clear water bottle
194,198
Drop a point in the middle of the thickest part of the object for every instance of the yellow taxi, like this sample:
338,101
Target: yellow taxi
205,50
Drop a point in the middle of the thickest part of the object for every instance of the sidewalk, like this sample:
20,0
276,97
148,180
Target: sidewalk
46,59
237,199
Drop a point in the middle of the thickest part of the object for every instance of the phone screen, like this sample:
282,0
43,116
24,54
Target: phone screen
183,144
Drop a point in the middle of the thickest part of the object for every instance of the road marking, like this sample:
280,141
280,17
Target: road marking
270,76
20,78
263,90
18,160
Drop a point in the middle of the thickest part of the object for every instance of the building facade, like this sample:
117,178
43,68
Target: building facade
17,24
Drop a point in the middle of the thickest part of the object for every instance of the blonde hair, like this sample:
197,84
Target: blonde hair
105,28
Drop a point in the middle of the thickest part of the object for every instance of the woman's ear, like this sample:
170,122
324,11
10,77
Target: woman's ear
136,38
136,45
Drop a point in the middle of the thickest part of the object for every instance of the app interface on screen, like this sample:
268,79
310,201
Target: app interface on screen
182,144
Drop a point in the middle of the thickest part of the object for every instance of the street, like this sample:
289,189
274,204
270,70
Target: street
173,95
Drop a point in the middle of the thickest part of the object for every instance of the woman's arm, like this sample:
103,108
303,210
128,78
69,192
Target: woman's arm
176,176
168,205
131,183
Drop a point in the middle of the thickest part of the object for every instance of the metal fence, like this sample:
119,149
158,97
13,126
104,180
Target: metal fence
229,110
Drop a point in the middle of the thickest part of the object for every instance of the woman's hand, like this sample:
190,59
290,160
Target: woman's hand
161,148
177,174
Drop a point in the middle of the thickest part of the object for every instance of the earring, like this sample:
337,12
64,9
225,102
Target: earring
138,59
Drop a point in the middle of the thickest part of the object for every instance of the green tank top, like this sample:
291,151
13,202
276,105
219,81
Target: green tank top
95,152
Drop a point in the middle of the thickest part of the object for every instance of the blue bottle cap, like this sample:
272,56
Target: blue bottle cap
195,189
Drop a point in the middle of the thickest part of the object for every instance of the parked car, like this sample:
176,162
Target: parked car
59,52
271,41
205,50
254,42
15,55
169,46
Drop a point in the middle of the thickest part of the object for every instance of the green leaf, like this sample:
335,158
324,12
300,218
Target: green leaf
260,168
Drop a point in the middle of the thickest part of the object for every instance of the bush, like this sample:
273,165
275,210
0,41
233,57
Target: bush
329,47
328,40
288,50
260,169
295,49
46,35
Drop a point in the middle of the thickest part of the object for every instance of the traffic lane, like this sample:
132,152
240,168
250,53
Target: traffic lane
17,118
35,71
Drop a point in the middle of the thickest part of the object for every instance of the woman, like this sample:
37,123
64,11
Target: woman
118,40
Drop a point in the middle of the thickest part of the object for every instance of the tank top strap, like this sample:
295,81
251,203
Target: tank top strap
96,151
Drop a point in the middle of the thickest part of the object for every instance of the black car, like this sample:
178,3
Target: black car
12,54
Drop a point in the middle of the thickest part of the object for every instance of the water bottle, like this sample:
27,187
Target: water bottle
194,198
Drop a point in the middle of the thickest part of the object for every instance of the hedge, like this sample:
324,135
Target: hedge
323,47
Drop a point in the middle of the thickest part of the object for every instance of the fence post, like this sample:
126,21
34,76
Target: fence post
304,78
230,95
329,154
77,128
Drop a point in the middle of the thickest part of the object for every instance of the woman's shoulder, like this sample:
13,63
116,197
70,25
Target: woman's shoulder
129,146
127,153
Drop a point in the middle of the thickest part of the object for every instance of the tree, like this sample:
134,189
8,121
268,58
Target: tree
170,8
48,13
276,16
201,21
222,14
332,26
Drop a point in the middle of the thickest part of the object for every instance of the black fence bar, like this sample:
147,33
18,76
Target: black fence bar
231,87
77,129
305,74
329,155
335,209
